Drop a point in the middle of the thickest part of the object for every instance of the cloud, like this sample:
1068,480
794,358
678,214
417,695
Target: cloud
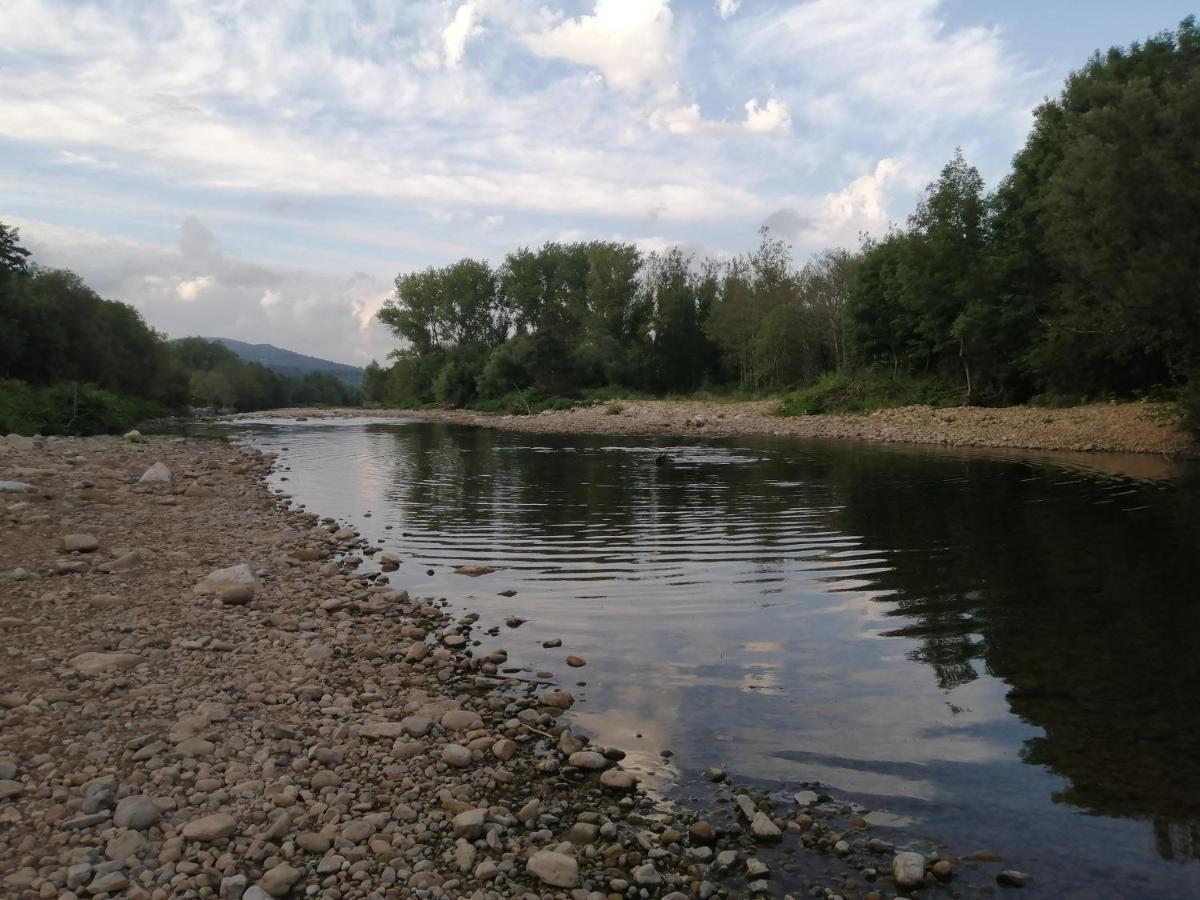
771,117
628,41
462,28
788,223
726,8
860,207
189,290
897,56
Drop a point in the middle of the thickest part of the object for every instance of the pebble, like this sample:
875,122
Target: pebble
1013,878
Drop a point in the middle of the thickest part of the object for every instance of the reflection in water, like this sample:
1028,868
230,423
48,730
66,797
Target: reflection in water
989,646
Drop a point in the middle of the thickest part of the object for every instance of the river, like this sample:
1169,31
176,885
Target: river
988,650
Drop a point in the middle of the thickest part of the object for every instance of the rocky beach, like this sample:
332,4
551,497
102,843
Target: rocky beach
1138,427
211,693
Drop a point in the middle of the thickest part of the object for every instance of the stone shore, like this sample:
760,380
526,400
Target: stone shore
209,693
1104,427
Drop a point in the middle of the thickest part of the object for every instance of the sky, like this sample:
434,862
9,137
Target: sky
263,171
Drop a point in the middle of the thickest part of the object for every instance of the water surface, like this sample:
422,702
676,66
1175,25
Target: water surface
1001,651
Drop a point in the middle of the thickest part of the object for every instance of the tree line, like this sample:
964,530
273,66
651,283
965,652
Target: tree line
73,362
1076,278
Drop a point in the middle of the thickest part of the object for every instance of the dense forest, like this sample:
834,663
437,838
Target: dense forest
1077,278
72,362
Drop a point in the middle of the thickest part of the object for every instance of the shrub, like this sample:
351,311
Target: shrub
80,409
841,392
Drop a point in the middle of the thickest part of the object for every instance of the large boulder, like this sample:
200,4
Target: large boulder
235,579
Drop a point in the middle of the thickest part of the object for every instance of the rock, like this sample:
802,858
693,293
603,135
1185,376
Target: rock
124,563
138,812
702,832
618,779
806,798
745,806
313,842
240,595
108,883
763,828
908,870
214,827
587,759
15,487
469,824
982,856
80,543
486,870
385,730
582,833
474,571
221,580
279,880
124,845
156,474
552,643
9,788
576,662
714,775
134,437
461,720
504,749
647,876
99,663
415,726
756,868
1013,878
457,756
556,699
555,869
942,869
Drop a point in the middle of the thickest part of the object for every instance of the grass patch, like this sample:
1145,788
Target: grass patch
838,392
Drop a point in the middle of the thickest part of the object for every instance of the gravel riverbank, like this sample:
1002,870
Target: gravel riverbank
1104,427
209,693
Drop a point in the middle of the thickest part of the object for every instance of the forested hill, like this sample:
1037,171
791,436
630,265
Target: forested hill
288,362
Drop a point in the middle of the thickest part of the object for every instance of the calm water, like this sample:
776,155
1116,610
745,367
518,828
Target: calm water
1002,652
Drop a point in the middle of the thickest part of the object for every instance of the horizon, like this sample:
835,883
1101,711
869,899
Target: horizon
263,180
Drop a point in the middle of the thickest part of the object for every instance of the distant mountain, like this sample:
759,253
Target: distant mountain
288,362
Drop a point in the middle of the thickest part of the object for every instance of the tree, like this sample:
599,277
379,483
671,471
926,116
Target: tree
13,257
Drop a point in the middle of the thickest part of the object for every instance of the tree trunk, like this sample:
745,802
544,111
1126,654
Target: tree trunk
966,367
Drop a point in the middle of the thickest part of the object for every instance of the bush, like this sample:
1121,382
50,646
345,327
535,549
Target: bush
69,409
840,392
1188,405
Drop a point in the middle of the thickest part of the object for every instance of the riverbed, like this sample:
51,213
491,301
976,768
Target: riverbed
981,650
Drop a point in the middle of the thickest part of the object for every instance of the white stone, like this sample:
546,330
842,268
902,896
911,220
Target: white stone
587,759
240,576
156,474
556,869
908,869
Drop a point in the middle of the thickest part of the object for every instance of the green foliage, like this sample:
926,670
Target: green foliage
844,392
13,257
1188,404
79,409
